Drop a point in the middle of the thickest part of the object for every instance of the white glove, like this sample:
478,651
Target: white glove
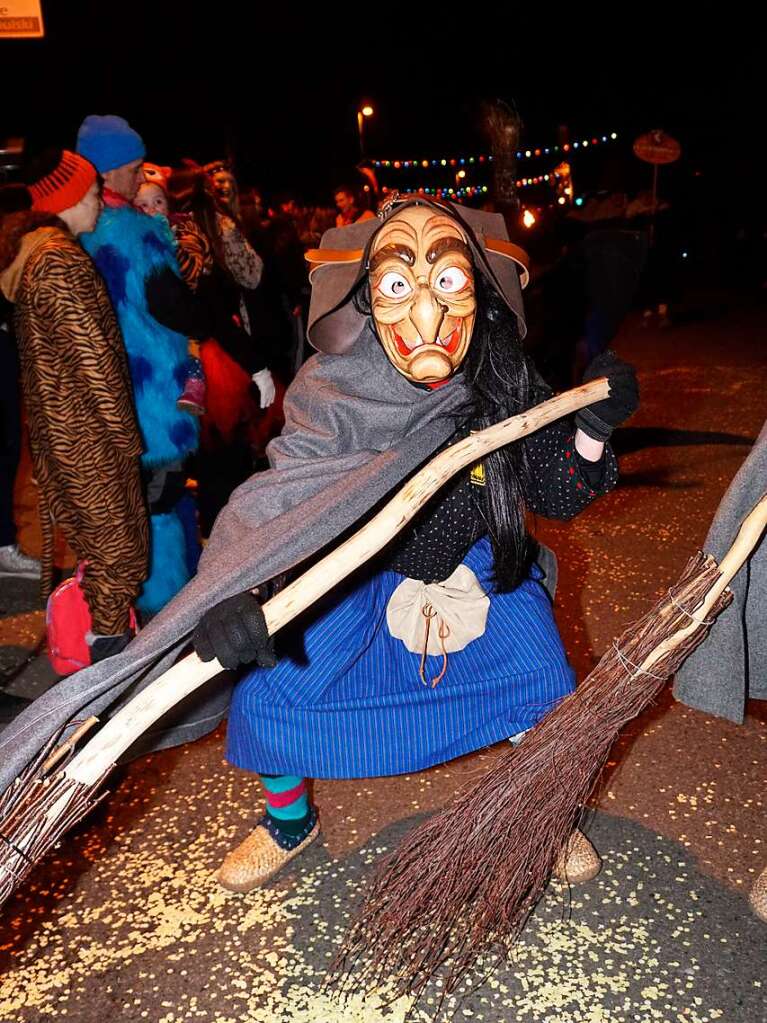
264,381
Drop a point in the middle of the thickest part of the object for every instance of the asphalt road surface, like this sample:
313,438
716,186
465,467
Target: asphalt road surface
125,923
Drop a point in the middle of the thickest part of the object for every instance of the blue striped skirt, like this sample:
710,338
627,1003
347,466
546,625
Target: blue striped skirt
346,701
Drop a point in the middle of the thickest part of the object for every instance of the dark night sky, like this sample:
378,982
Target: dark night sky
284,94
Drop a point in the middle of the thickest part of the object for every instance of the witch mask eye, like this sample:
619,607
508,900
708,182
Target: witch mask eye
394,285
451,280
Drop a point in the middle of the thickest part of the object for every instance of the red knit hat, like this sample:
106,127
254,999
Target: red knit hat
65,186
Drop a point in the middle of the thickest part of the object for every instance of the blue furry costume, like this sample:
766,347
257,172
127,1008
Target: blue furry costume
130,249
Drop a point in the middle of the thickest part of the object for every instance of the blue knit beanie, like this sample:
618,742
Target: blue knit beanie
109,142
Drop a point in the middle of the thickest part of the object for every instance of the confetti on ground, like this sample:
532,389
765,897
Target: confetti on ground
124,923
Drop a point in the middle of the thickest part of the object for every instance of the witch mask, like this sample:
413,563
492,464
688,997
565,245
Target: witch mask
422,293
420,259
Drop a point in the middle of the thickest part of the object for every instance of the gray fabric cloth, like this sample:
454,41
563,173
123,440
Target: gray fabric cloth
355,428
731,665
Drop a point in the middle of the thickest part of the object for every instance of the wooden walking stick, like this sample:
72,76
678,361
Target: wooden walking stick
465,882
38,808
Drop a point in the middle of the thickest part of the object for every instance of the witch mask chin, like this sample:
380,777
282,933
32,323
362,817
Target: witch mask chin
422,293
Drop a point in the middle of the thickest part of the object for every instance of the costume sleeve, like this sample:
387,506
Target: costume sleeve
226,324
173,305
240,346
257,359
82,322
193,252
559,481
243,262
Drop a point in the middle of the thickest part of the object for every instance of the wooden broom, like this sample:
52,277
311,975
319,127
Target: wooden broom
40,806
465,882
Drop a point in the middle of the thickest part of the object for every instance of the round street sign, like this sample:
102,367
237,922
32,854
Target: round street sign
657,147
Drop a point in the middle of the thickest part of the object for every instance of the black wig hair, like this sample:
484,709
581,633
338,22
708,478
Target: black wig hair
499,375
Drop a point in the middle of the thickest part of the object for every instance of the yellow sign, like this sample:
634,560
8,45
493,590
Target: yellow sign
21,19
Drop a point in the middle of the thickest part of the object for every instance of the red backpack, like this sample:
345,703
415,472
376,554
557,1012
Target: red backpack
67,623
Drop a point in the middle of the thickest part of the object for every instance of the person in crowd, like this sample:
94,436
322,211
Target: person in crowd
253,212
152,198
321,219
157,313
232,358
606,259
350,210
284,242
223,185
660,284
84,437
13,560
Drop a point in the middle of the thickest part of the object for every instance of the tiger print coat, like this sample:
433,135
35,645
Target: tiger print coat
84,438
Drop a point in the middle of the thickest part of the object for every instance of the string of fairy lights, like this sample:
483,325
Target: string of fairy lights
468,192
471,191
540,180
522,154
461,163
454,161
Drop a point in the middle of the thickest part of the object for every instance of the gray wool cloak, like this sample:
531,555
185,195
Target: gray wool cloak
354,429
731,665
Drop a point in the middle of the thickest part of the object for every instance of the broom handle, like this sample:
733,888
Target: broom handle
746,540
122,730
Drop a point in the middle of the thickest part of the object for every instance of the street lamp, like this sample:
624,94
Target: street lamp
362,113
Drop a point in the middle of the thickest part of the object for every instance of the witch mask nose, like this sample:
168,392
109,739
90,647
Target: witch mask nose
426,314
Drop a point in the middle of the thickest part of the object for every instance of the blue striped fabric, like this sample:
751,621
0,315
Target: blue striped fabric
346,700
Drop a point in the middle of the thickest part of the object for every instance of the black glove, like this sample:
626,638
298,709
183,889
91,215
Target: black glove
599,420
102,647
235,632
164,489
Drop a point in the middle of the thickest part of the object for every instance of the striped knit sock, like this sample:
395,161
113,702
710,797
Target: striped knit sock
287,804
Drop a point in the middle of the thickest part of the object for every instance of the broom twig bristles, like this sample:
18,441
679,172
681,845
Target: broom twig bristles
36,811
465,882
